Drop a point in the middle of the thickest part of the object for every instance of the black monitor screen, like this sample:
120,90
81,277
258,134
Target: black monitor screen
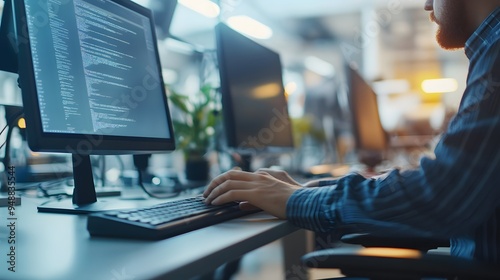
254,105
368,130
91,68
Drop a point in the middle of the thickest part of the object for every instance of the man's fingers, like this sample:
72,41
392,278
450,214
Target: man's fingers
232,175
229,196
225,187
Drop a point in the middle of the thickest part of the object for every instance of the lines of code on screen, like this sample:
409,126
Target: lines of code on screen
96,69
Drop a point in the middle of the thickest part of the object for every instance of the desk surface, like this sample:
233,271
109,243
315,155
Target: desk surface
58,246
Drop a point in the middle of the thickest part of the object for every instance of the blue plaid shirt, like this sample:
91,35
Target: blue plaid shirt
455,195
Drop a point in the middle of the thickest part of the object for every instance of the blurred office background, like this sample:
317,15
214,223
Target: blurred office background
390,42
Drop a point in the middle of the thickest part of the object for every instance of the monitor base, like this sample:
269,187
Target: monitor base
66,206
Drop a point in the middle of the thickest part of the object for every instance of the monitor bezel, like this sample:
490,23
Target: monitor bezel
82,144
228,111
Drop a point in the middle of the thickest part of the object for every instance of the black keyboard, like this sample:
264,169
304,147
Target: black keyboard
162,220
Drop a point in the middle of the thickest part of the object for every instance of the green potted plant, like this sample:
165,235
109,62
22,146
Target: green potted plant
194,128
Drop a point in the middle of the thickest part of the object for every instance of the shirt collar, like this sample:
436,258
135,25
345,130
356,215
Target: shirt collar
484,34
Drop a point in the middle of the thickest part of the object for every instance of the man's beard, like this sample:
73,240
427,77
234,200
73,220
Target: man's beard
452,32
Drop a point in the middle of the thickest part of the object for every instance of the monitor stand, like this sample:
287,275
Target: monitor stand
245,163
371,159
84,200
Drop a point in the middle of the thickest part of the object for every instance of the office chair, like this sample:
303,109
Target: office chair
401,258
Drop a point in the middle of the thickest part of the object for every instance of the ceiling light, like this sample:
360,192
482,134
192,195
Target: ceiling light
250,27
439,85
204,7
319,66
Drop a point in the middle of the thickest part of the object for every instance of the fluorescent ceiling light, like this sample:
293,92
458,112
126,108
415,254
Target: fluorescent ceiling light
439,85
319,66
250,27
204,7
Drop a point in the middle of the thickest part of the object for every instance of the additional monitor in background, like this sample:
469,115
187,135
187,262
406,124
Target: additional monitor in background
8,49
254,106
91,84
371,139
163,12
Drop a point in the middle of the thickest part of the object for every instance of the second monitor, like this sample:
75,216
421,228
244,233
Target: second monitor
254,105
372,140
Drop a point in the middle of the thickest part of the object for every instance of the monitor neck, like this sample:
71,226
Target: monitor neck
84,195
246,163
84,191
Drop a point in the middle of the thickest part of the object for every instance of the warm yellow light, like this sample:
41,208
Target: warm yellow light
390,252
291,87
250,27
204,7
334,170
439,85
267,91
34,154
21,123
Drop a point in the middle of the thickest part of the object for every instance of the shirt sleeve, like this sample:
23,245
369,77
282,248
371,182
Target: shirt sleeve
447,195
327,183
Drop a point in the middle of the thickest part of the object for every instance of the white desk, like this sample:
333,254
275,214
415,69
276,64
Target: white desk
58,246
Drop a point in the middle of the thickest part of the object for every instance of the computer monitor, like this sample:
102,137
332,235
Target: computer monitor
8,47
91,83
371,139
254,106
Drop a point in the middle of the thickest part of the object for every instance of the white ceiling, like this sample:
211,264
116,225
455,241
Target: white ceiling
300,8
273,12
308,26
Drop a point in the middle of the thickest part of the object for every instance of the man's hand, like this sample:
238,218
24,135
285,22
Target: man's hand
280,175
260,189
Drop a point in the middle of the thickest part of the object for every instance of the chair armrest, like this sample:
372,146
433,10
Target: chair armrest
395,263
400,241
